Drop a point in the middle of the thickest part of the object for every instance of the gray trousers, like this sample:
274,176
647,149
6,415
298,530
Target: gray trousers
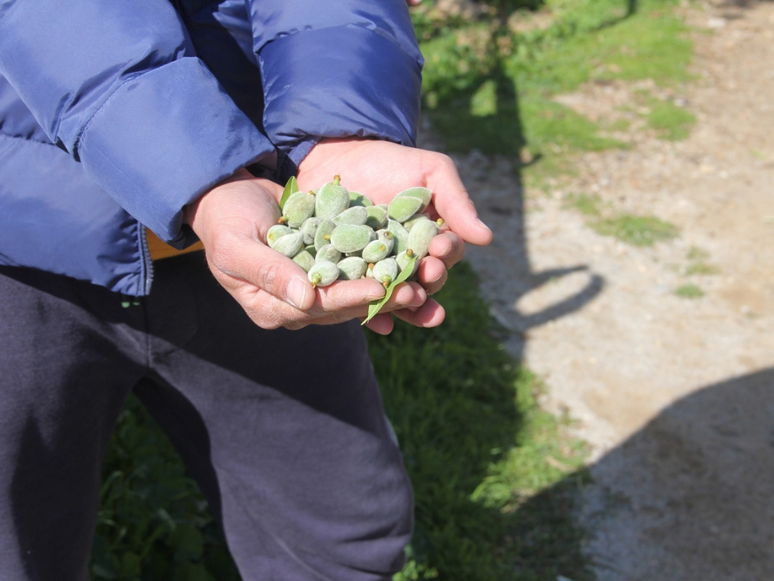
283,430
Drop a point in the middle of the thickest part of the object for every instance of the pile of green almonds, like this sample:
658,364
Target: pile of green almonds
335,234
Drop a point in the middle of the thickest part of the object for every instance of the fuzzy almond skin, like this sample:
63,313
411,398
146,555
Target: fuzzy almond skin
400,234
348,238
352,268
377,217
422,232
403,260
324,229
423,194
298,208
358,199
376,250
356,215
323,273
385,270
309,229
304,259
331,200
328,252
402,208
290,244
276,232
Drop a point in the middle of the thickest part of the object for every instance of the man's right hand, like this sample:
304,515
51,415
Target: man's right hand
232,220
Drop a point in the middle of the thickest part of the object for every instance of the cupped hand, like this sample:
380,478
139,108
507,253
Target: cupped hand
232,220
380,170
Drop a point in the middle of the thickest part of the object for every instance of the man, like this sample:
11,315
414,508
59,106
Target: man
182,120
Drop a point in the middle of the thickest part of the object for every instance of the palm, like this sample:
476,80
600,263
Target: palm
380,170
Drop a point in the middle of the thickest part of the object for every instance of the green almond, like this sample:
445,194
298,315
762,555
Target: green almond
298,208
328,252
418,192
376,217
403,207
358,199
352,268
290,244
385,271
304,259
309,229
351,238
322,235
406,258
331,199
323,273
276,232
420,235
375,251
400,234
355,215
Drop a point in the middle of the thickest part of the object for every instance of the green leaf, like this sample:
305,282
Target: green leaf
376,306
290,188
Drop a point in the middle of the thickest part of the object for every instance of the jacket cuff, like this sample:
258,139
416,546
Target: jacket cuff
163,139
362,84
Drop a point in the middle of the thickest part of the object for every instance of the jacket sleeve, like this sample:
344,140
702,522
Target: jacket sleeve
337,69
117,84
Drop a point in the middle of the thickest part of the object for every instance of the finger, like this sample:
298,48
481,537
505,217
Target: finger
382,324
452,202
432,274
333,304
429,315
448,247
250,261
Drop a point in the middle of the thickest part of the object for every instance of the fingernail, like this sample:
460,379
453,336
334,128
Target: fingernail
480,223
296,292
445,252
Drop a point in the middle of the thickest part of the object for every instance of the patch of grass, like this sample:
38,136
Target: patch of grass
629,228
153,522
636,230
701,269
586,204
698,263
547,123
592,41
671,122
490,87
689,291
493,474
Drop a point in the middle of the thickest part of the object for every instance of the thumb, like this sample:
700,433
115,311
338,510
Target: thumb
250,263
453,204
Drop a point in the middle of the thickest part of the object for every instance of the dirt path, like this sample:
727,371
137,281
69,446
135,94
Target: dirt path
674,395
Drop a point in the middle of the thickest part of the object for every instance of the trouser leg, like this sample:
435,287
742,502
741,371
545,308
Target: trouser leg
285,431
63,381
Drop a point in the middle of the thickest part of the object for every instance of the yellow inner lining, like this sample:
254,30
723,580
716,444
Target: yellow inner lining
159,249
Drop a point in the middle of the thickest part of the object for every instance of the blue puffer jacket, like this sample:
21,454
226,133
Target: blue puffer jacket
116,114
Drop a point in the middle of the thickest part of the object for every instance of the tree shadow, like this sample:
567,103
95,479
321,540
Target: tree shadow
491,145
691,492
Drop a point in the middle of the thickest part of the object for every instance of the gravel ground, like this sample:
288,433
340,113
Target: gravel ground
675,396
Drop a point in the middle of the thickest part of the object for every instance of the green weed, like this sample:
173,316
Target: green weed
632,229
152,521
672,123
689,291
586,204
636,230
698,263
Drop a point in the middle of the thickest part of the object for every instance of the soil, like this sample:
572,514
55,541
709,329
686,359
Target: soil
674,395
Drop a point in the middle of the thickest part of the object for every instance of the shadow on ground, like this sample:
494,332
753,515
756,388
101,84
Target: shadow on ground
690,495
